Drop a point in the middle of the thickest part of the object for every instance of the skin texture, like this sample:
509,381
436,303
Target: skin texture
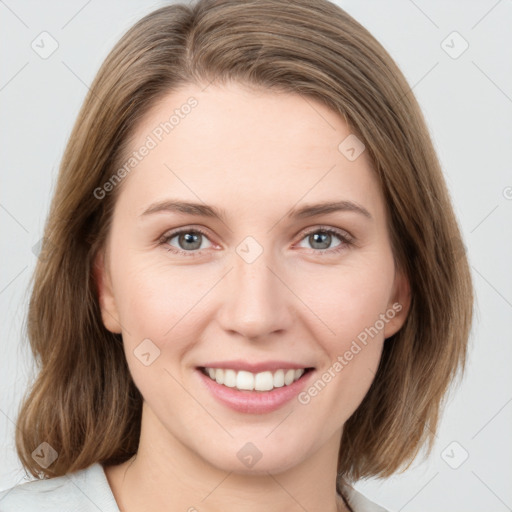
257,154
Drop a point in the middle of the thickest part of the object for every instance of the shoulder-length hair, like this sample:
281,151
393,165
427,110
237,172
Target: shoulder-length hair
83,401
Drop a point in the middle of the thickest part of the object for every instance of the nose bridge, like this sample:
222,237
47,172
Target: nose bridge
256,303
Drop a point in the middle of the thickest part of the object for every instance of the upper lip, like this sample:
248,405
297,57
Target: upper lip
264,366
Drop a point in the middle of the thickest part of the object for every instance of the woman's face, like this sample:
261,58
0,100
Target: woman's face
243,281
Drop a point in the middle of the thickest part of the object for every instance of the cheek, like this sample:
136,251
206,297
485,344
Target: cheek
154,297
156,307
350,301
355,307
163,310
352,354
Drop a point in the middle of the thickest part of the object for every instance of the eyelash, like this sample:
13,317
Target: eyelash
346,241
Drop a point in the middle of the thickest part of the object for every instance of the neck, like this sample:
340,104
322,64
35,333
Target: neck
167,476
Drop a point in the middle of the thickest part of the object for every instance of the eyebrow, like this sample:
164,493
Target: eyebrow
204,210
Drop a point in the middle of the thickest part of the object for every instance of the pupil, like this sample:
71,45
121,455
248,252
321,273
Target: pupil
187,237
320,235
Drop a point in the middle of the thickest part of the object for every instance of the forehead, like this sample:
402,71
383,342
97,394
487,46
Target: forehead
237,146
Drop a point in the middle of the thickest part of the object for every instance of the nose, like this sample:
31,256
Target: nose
256,301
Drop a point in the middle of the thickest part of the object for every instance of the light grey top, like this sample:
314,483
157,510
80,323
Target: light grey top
88,490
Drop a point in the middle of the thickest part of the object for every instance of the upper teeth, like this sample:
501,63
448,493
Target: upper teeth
264,381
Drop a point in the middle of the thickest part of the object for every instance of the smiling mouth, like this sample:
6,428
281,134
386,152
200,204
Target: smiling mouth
248,381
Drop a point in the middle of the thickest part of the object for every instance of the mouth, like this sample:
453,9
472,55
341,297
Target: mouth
262,382
254,393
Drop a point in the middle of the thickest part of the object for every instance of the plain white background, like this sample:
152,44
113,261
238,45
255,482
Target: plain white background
466,96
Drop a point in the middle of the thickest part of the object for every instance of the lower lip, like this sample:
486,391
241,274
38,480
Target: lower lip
255,402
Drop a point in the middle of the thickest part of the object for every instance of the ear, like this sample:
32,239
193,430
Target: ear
399,304
109,313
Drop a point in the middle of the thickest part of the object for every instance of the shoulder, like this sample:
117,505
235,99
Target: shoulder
82,491
357,501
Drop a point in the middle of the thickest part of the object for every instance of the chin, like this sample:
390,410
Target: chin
257,457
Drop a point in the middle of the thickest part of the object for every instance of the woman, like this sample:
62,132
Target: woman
306,337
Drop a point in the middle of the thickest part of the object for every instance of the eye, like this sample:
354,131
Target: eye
189,241
321,238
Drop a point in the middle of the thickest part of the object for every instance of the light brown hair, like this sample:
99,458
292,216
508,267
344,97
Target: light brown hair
84,402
